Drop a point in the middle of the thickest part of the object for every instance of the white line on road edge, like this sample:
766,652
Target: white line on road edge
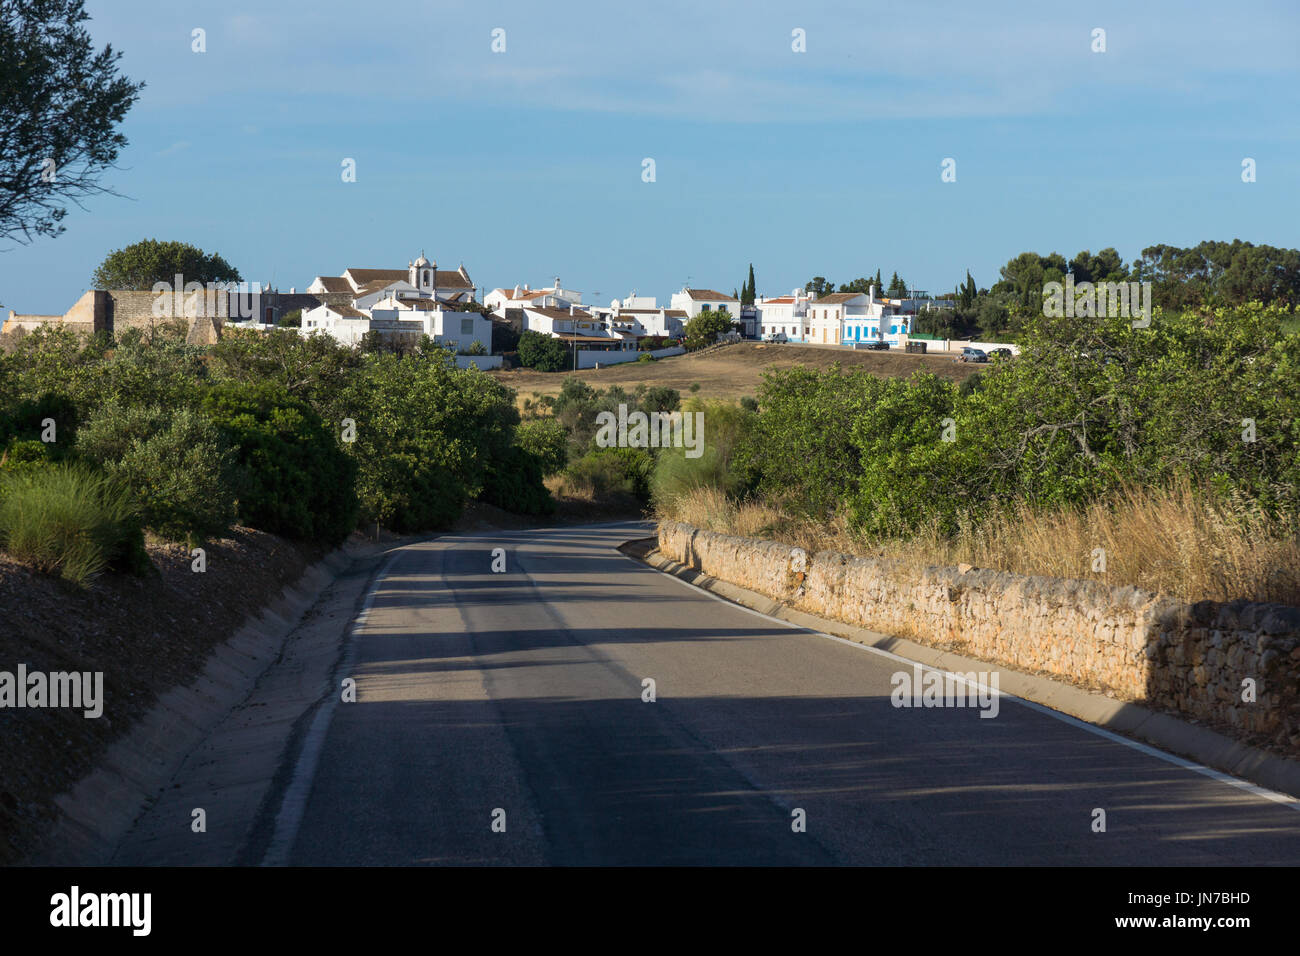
1254,789
294,803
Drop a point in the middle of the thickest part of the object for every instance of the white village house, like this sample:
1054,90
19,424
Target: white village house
555,297
422,300
695,301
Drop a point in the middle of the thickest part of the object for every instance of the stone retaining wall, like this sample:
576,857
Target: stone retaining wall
1192,659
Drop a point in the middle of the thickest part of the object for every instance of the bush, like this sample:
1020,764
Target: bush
722,430
800,443
545,353
647,357
25,422
703,330
293,478
514,483
174,462
70,520
427,436
616,470
660,398
25,455
547,441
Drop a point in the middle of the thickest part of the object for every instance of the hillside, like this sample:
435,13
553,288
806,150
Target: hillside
737,370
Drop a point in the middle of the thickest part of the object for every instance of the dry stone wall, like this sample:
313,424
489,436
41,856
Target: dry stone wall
1193,659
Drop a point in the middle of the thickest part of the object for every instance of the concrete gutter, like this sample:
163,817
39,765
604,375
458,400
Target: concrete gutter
138,772
1162,730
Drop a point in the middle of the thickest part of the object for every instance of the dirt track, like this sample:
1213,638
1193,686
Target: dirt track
737,370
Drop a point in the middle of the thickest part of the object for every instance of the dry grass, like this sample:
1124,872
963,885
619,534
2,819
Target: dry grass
735,371
1178,542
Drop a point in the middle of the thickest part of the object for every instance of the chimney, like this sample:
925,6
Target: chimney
557,283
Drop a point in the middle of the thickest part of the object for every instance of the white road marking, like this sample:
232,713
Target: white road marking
294,802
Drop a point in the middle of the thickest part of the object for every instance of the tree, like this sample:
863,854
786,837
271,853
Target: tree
60,104
141,264
703,330
290,320
897,288
966,292
819,286
545,353
748,292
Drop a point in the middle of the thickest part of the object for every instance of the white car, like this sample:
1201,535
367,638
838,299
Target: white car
775,337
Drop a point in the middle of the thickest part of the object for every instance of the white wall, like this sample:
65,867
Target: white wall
479,361
588,358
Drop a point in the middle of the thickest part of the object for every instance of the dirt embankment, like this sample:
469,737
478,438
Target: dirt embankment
144,634
737,371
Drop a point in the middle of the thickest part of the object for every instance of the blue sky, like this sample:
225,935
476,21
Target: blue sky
527,164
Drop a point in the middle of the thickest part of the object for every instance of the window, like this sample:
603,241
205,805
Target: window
466,326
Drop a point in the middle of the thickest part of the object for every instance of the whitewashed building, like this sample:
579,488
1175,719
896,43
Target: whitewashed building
343,322
554,297
786,314
695,301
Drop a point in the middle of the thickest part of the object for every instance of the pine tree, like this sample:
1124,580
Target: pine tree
751,292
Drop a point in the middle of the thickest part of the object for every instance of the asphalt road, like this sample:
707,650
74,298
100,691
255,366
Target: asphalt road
517,697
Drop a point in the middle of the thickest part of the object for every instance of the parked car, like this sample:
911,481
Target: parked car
878,345
1000,354
775,337
969,354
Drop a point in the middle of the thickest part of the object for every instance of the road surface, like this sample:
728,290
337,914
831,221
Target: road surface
500,719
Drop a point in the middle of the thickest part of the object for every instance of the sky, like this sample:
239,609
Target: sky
528,163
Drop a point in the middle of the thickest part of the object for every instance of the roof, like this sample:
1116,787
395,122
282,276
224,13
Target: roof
701,294
783,300
449,279
377,285
363,276
347,311
560,313
676,313
579,337
836,298
333,283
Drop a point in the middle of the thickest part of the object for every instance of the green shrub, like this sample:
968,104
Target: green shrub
427,435
624,470
545,353
647,357
174,462
26,421
514,483
547,441
28,455
67,519
801,444
723,429
660,398
293,477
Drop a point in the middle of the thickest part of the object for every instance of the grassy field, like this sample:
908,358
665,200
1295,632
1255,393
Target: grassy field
735,371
